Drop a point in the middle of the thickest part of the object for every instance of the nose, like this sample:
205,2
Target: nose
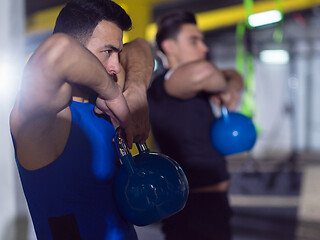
113,65
204,47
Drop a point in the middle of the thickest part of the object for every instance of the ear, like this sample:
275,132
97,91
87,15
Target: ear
168,46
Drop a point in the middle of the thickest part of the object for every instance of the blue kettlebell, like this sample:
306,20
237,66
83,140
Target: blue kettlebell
149,186
232,133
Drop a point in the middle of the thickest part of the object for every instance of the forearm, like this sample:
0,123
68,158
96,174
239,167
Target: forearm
78,66
137,60
194,77
138,63
213,80
59,63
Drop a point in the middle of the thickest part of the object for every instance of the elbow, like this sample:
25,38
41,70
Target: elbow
138,43
54,50
144,46
55,56
142,41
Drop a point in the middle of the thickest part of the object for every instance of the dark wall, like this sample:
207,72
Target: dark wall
33,6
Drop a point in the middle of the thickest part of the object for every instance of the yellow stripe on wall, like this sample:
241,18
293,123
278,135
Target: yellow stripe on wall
43,20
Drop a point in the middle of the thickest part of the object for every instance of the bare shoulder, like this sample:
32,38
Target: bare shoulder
40,118
39,139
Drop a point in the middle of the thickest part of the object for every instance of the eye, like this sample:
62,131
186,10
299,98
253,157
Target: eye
193,41
108,52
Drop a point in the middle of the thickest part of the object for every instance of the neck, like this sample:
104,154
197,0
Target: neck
79,99
79,94
172,62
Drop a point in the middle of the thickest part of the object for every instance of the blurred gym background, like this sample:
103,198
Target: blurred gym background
275,189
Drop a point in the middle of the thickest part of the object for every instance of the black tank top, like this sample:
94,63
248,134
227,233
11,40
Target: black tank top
181,129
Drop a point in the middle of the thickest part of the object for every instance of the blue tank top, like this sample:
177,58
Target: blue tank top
71,198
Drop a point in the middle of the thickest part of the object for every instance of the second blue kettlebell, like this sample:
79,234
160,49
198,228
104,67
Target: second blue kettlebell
232,133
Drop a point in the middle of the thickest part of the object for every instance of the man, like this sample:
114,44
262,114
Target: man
74,92
181,118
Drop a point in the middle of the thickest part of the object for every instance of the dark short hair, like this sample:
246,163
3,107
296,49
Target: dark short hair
170,23
79,18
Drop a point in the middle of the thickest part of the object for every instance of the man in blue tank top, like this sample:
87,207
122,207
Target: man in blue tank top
181,118
79,84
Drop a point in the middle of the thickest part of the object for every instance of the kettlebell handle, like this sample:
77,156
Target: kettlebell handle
120,143
125,155
224,111
142,148
124,152
122,146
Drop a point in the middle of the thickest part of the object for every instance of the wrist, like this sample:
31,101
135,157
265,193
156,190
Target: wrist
111,92
136,87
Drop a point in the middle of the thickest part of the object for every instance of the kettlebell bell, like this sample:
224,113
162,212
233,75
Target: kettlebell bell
149,186
232,133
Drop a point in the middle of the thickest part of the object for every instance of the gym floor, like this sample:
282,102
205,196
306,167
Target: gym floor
271,199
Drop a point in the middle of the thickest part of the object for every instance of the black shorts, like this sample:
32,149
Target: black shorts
206,216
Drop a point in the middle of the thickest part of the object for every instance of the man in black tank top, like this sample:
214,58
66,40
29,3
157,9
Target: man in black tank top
181,118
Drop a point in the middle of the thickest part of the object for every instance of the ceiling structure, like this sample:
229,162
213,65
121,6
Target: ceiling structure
212,15
193,5
40,16
33,6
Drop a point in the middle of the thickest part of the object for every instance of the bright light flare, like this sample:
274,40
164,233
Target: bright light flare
274,56
264,18
8,80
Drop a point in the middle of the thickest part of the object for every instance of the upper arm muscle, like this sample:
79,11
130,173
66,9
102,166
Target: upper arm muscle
35,120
